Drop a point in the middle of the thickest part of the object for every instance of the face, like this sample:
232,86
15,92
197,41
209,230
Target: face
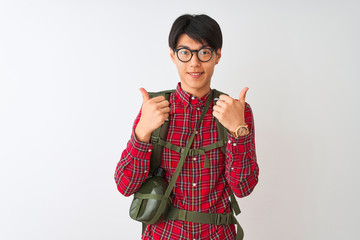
195,76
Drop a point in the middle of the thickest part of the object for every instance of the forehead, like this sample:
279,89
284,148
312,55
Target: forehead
185,41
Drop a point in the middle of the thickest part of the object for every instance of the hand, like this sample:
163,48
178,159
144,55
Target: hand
154,112
229,111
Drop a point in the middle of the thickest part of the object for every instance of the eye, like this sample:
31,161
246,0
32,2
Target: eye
184,52
205,52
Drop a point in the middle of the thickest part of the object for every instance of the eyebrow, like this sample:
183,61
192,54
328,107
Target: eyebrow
183,46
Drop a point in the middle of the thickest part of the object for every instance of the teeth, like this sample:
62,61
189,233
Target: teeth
195,74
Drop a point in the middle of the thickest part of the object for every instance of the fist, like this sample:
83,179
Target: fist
154,112
229,111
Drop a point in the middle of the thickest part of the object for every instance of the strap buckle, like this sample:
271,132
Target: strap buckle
222,219
154,139
191,152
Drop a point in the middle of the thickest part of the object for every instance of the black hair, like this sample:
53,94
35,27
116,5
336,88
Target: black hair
201,28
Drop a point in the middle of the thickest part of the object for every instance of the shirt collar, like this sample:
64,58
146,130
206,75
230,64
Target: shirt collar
188,99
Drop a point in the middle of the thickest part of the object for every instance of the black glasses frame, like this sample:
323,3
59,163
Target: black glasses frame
192,53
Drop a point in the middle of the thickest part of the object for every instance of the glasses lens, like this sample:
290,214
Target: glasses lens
184,54
205,54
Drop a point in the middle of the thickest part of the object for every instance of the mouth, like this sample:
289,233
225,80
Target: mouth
195,74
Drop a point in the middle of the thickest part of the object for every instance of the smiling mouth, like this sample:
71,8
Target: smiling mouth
195,74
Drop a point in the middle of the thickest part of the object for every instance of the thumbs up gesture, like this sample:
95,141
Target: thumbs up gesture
229,111
154,112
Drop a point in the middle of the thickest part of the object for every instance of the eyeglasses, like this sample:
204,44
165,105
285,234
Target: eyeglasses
203,54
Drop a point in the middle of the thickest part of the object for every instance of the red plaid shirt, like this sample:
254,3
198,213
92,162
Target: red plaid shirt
197,188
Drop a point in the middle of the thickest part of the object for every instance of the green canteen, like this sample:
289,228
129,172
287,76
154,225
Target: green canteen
148,198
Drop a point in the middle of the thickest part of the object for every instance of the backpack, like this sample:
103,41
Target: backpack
154,198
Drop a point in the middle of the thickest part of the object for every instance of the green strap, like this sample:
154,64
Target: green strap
200,217
203,150
222,132
178,149
159,133
239,231
234,203
149,196
192,152
181,162
206,218
214,145
170,146
156,151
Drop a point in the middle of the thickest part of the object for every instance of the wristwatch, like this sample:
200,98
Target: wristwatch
241,130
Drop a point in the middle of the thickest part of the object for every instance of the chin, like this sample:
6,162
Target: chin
193,87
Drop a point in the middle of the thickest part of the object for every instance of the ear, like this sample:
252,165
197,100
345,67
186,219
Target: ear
218,56
172,55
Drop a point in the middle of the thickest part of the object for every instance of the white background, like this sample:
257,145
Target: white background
70,73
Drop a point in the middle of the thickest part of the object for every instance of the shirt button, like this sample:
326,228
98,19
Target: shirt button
149,150
194,158
232,168
234,144
145,171
194,184
192,97
197,132
198,109
229,141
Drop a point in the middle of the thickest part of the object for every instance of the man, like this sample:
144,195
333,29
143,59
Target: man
195,47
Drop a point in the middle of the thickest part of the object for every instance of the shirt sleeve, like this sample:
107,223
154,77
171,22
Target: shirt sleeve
133,167
241,169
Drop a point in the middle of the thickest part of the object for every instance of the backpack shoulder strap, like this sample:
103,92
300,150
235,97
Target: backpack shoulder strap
222,132
159,133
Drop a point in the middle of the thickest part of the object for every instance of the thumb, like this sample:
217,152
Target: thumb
145,94
243,94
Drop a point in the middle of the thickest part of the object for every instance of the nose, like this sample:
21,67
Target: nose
194,61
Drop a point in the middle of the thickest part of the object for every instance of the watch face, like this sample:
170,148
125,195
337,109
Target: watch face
242,131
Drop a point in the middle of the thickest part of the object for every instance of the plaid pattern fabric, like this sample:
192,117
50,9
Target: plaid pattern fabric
197,188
